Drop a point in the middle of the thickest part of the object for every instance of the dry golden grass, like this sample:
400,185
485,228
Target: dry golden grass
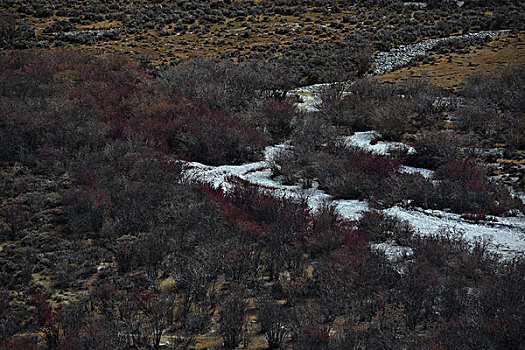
221,38
449,73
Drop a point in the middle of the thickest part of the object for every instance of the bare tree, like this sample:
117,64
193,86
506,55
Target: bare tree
231,320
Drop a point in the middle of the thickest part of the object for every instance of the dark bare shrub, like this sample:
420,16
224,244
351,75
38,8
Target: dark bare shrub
479,118
88,203
393,118
231,321
381,227
313,131
355,173
274,323
434,148
274,118
349,111
7,29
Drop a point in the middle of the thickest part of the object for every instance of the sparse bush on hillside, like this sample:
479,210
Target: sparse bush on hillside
393,118
380,227
494,107
128,250
231,321
435,148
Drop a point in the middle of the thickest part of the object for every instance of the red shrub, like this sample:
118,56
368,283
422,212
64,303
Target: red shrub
47,319
105,298
117,92
104,294
504,329
371,164
145,298
46,314
464,188
349,261
318,240
247,205
235,214
466,173
50,154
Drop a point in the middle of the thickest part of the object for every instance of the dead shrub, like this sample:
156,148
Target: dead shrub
393,118
381,227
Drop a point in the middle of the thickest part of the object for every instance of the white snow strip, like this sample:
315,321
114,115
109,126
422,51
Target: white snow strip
399,56
418,5
426,173
506,236
310,96
365,139
392,251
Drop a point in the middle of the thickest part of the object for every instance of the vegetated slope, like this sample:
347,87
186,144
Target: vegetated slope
105,244
449,65
322,41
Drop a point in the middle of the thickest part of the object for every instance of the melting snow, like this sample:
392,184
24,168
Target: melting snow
310,96
365,140
397,57
506,236
393,251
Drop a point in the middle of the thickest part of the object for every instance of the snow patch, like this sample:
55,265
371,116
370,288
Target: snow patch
393,252
399,56
310,97
506,236
426,173
367,140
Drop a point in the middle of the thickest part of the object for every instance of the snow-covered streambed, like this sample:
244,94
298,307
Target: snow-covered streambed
384,61
506,235
401,55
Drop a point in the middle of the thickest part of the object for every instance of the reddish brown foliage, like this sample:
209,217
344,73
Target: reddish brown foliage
466,173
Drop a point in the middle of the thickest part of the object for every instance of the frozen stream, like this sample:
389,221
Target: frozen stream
383,61
397,57
506,236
